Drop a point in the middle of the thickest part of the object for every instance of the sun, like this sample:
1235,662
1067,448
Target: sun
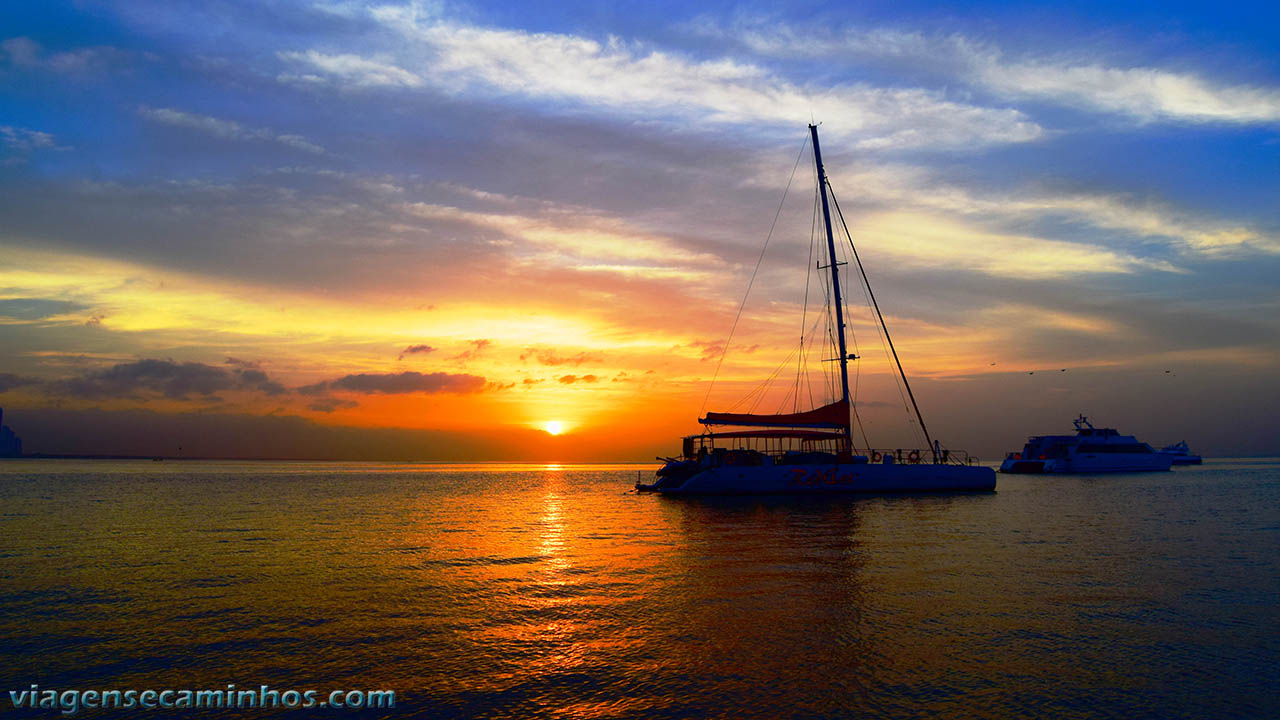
555,427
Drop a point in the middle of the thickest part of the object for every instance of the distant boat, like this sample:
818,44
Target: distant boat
1090,450
812,451
1181,454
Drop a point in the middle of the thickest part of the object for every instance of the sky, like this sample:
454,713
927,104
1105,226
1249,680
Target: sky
427,230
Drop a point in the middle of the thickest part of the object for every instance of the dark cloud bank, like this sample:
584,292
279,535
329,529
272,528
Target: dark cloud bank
398,383
175,380
144,433
195,380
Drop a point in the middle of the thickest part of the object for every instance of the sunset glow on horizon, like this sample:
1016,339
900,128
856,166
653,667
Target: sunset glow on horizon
414,232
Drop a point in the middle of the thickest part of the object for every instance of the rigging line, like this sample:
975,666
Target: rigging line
763,387
752,281
810,337
810,334
833,346
850,331
885,346
813,226
880,333
808,378
825,321
888,359
857,378
863,287
804,313
857,381
876,305
790,391
822,280
857,370
862,429
834,331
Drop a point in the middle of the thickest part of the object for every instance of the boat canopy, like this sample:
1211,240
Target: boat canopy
835,415
774,435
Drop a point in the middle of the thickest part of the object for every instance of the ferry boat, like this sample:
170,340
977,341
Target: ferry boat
812,451
1181,454
1090,450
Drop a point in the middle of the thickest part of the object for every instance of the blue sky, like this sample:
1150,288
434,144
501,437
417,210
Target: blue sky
1091,186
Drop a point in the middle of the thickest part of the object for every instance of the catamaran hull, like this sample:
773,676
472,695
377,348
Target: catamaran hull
826,479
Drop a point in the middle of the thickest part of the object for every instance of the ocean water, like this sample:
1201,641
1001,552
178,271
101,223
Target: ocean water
507,591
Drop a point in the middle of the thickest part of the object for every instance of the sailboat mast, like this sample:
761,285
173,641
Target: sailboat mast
835,282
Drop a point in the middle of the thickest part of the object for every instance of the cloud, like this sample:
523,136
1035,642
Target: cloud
319,388
415,350
571,379
22,51
575,235
26,53
477,346
353,69
550,357
632,78
1143,93
32,309
9,381
173,380
225,129
23,141
713,349
330,404
1079,80
903,188
404,382
922,239
258,380
1151,219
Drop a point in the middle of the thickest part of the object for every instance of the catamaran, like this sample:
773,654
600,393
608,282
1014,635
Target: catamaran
813,451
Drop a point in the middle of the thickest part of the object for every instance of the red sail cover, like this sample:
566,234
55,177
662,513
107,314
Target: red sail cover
835,415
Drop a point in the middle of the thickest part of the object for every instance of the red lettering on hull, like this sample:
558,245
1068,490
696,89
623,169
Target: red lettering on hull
810,478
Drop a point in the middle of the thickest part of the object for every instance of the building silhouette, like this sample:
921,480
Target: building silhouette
10,443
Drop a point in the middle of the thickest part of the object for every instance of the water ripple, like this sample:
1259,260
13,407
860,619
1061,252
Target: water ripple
516,592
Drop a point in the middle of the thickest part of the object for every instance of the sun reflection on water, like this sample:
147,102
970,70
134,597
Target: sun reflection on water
522,591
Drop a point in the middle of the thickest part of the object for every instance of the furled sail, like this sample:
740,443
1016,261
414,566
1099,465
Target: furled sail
835,415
